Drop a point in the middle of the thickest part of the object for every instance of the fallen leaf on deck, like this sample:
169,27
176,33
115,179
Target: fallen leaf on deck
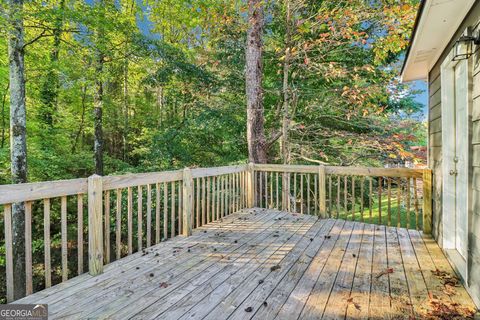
275,268
384,272
164,285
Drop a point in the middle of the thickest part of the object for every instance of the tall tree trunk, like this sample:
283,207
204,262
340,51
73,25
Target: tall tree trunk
98,96
284,142
125,106
18,141
257,152
97,113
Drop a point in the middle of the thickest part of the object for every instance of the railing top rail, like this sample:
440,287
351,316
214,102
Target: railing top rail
349,171
40,190
12,193
217,171
139,179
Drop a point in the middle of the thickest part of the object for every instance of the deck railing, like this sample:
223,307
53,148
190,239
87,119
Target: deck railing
398,197
129,213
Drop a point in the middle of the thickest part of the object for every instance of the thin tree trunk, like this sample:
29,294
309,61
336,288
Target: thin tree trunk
257,152
285,147
18,142
97,113
82,119
125,106
4,102
98,97
160,104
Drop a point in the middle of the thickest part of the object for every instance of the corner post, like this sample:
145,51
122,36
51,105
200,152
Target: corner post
95,227
250,186
322,187
427,201
187,203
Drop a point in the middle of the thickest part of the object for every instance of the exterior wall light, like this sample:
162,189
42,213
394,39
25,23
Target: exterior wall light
463,48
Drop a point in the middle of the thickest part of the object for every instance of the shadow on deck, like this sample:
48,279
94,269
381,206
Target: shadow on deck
266,264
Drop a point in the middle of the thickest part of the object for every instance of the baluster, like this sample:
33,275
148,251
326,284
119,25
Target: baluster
380,181
165,210
106,232
399,200
118,227
330,196
197,202
46,242
149,215
204,209
415,202
362,186
315,195
345,196
208,201
389,200
370,198
172,209
63,222
338,195
408,202
301,193
28,248
80,233
130,219
139,218
7,213
294,180
157,212
179,204
309,204
277,191
353,198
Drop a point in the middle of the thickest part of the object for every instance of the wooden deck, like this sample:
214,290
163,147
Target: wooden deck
266,264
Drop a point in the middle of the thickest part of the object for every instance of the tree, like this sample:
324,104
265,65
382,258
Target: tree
257,147
98,95
18,137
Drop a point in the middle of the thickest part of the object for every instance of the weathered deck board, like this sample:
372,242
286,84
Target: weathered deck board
326,269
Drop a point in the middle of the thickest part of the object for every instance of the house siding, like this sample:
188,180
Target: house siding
435,154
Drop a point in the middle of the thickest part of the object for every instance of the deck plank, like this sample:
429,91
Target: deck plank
277,285
401,305
137,282
292,304
77,284
210,301
329,269
416,282
320,294
380,287
359,300
174,307
339,297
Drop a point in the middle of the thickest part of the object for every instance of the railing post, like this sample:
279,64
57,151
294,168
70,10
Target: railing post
427,201
187,203
95,228
322,187
250,186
